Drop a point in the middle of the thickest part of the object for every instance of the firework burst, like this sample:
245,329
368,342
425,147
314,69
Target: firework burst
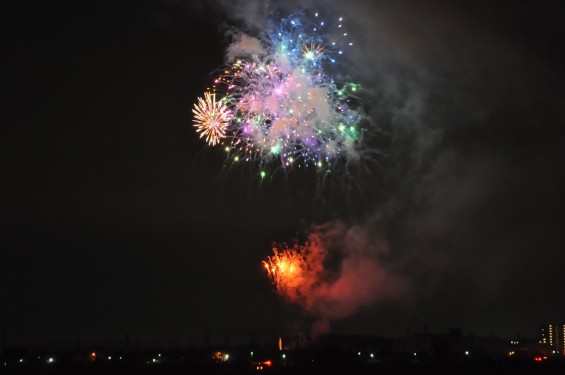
313,51
295,271
285,268
279,103
211,118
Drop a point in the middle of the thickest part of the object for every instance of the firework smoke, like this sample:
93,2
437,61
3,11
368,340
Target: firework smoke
336,272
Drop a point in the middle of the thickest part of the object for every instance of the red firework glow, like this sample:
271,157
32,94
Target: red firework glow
301,275
294,271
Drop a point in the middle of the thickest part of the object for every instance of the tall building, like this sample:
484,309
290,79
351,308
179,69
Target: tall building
553,335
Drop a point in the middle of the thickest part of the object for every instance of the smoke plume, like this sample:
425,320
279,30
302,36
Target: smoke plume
339,270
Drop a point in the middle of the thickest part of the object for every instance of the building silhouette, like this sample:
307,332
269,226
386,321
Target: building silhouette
553,335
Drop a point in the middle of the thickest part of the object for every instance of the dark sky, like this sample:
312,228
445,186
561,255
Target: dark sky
117,219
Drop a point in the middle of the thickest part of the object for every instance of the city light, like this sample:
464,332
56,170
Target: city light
515,351
220,357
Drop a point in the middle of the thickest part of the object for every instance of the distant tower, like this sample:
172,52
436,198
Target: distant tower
553,335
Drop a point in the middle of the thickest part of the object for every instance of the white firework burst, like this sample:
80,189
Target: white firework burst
211,118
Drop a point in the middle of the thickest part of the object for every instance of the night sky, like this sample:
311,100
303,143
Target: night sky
117,219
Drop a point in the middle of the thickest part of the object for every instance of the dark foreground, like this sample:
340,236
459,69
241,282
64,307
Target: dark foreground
377,367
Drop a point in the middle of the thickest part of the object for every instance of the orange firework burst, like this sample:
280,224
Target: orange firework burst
297,270
211,118
285,268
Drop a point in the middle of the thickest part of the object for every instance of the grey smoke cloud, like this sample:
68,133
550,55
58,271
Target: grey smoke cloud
244,45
